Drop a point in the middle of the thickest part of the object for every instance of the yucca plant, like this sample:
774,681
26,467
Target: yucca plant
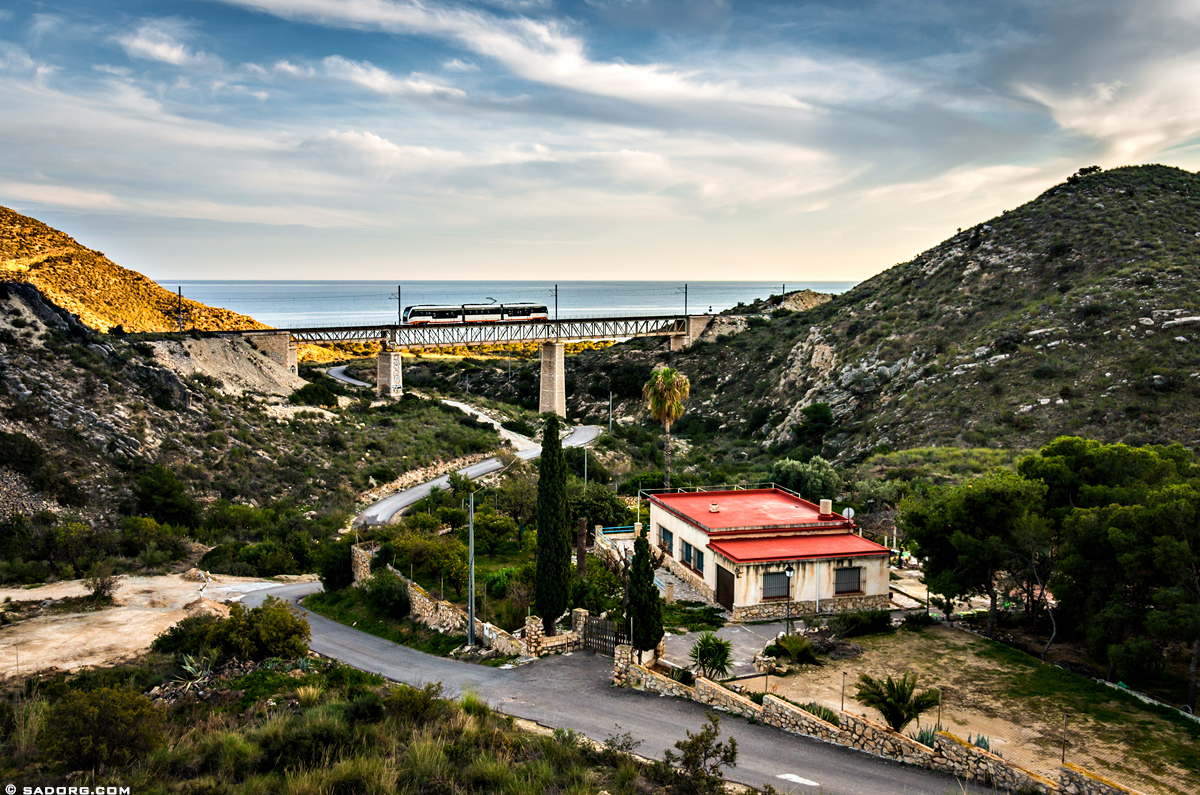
896,700
196,671
711,656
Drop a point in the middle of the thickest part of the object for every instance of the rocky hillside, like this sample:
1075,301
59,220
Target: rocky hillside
100,292
1078,312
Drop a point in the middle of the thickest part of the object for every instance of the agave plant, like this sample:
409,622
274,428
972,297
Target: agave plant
196,671
895,699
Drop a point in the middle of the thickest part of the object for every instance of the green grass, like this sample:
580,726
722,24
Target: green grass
696,616
1035,683
348,607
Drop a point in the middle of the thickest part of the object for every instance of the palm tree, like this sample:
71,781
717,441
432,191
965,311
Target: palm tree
711,656
895,700
665,393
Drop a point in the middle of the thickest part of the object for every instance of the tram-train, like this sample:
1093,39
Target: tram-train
474,313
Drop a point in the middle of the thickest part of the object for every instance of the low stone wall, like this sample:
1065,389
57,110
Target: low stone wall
1077,781
712,694
774,610
538,645
434,613
951,754
790,718
967,760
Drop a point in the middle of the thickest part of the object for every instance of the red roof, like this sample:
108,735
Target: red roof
796,547
748,509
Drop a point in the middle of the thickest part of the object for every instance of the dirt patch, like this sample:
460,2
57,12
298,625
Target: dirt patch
142,608
976,700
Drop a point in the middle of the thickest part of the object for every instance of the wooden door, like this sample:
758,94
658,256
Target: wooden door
724,588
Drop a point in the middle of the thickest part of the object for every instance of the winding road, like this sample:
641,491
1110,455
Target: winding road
573,691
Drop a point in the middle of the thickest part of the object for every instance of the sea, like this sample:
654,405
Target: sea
293,304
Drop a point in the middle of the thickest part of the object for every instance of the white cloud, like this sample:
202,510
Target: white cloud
159,42
1135,118
381,156
457,65
383,82
540,51
59,196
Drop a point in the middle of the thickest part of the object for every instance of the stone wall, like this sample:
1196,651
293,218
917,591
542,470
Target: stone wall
434,613
790,718
712,694
538,645
360,560
1077,781
951,754
775,610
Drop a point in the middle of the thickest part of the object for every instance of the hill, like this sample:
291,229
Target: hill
1077,312
100,292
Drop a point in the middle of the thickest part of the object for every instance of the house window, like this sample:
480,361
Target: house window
691,556
698,560
775,585
666,540
847,580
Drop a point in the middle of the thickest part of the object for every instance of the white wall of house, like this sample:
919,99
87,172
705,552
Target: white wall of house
683,531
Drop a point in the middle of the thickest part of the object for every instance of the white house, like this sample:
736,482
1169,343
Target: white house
737,548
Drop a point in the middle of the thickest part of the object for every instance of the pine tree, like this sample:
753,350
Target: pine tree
645,603
553,580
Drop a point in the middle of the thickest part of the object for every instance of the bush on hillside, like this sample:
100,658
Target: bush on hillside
273,629
387,595
335,569
109,726
161,495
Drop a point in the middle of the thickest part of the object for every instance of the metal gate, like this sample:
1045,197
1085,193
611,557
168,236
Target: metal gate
601,636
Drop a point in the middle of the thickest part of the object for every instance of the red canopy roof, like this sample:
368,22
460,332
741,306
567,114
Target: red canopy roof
748,509
796,547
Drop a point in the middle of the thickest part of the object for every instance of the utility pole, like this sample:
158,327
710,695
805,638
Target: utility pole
471,576
179,309
585,458
399,306
610,411
556,302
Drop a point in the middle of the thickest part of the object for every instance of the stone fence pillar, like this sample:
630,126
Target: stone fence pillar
622,659
579,617
533,635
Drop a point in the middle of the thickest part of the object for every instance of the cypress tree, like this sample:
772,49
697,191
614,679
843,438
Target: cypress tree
553,580
645,603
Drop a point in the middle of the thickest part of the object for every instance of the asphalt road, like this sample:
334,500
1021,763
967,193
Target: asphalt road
574,692
339,373
382,511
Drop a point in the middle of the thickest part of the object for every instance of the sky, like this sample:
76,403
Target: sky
580,139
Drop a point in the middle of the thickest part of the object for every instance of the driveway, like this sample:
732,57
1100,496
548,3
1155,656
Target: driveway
574,692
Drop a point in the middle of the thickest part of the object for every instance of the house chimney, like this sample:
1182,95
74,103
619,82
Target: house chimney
714,508
826,508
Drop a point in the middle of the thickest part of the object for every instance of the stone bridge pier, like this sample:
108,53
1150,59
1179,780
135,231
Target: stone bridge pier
277,345
389,377
554,380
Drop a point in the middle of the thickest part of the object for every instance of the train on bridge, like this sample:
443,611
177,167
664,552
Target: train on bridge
425,314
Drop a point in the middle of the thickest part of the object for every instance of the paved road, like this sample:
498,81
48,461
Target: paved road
382,511
339,373
574,692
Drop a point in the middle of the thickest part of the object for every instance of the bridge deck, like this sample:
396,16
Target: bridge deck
466,334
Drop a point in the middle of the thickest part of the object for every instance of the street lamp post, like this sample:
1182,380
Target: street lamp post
471,575
788,572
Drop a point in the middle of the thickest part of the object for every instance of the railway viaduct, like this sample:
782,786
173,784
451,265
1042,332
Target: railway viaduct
550,335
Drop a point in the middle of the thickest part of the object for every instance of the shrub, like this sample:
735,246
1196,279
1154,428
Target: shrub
867,622
228,753
419,705
701,760
896,700
101,581
367,708
519,426
711,656
387,595
161,495
916,621
273,629
20,453
109,726
799,650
